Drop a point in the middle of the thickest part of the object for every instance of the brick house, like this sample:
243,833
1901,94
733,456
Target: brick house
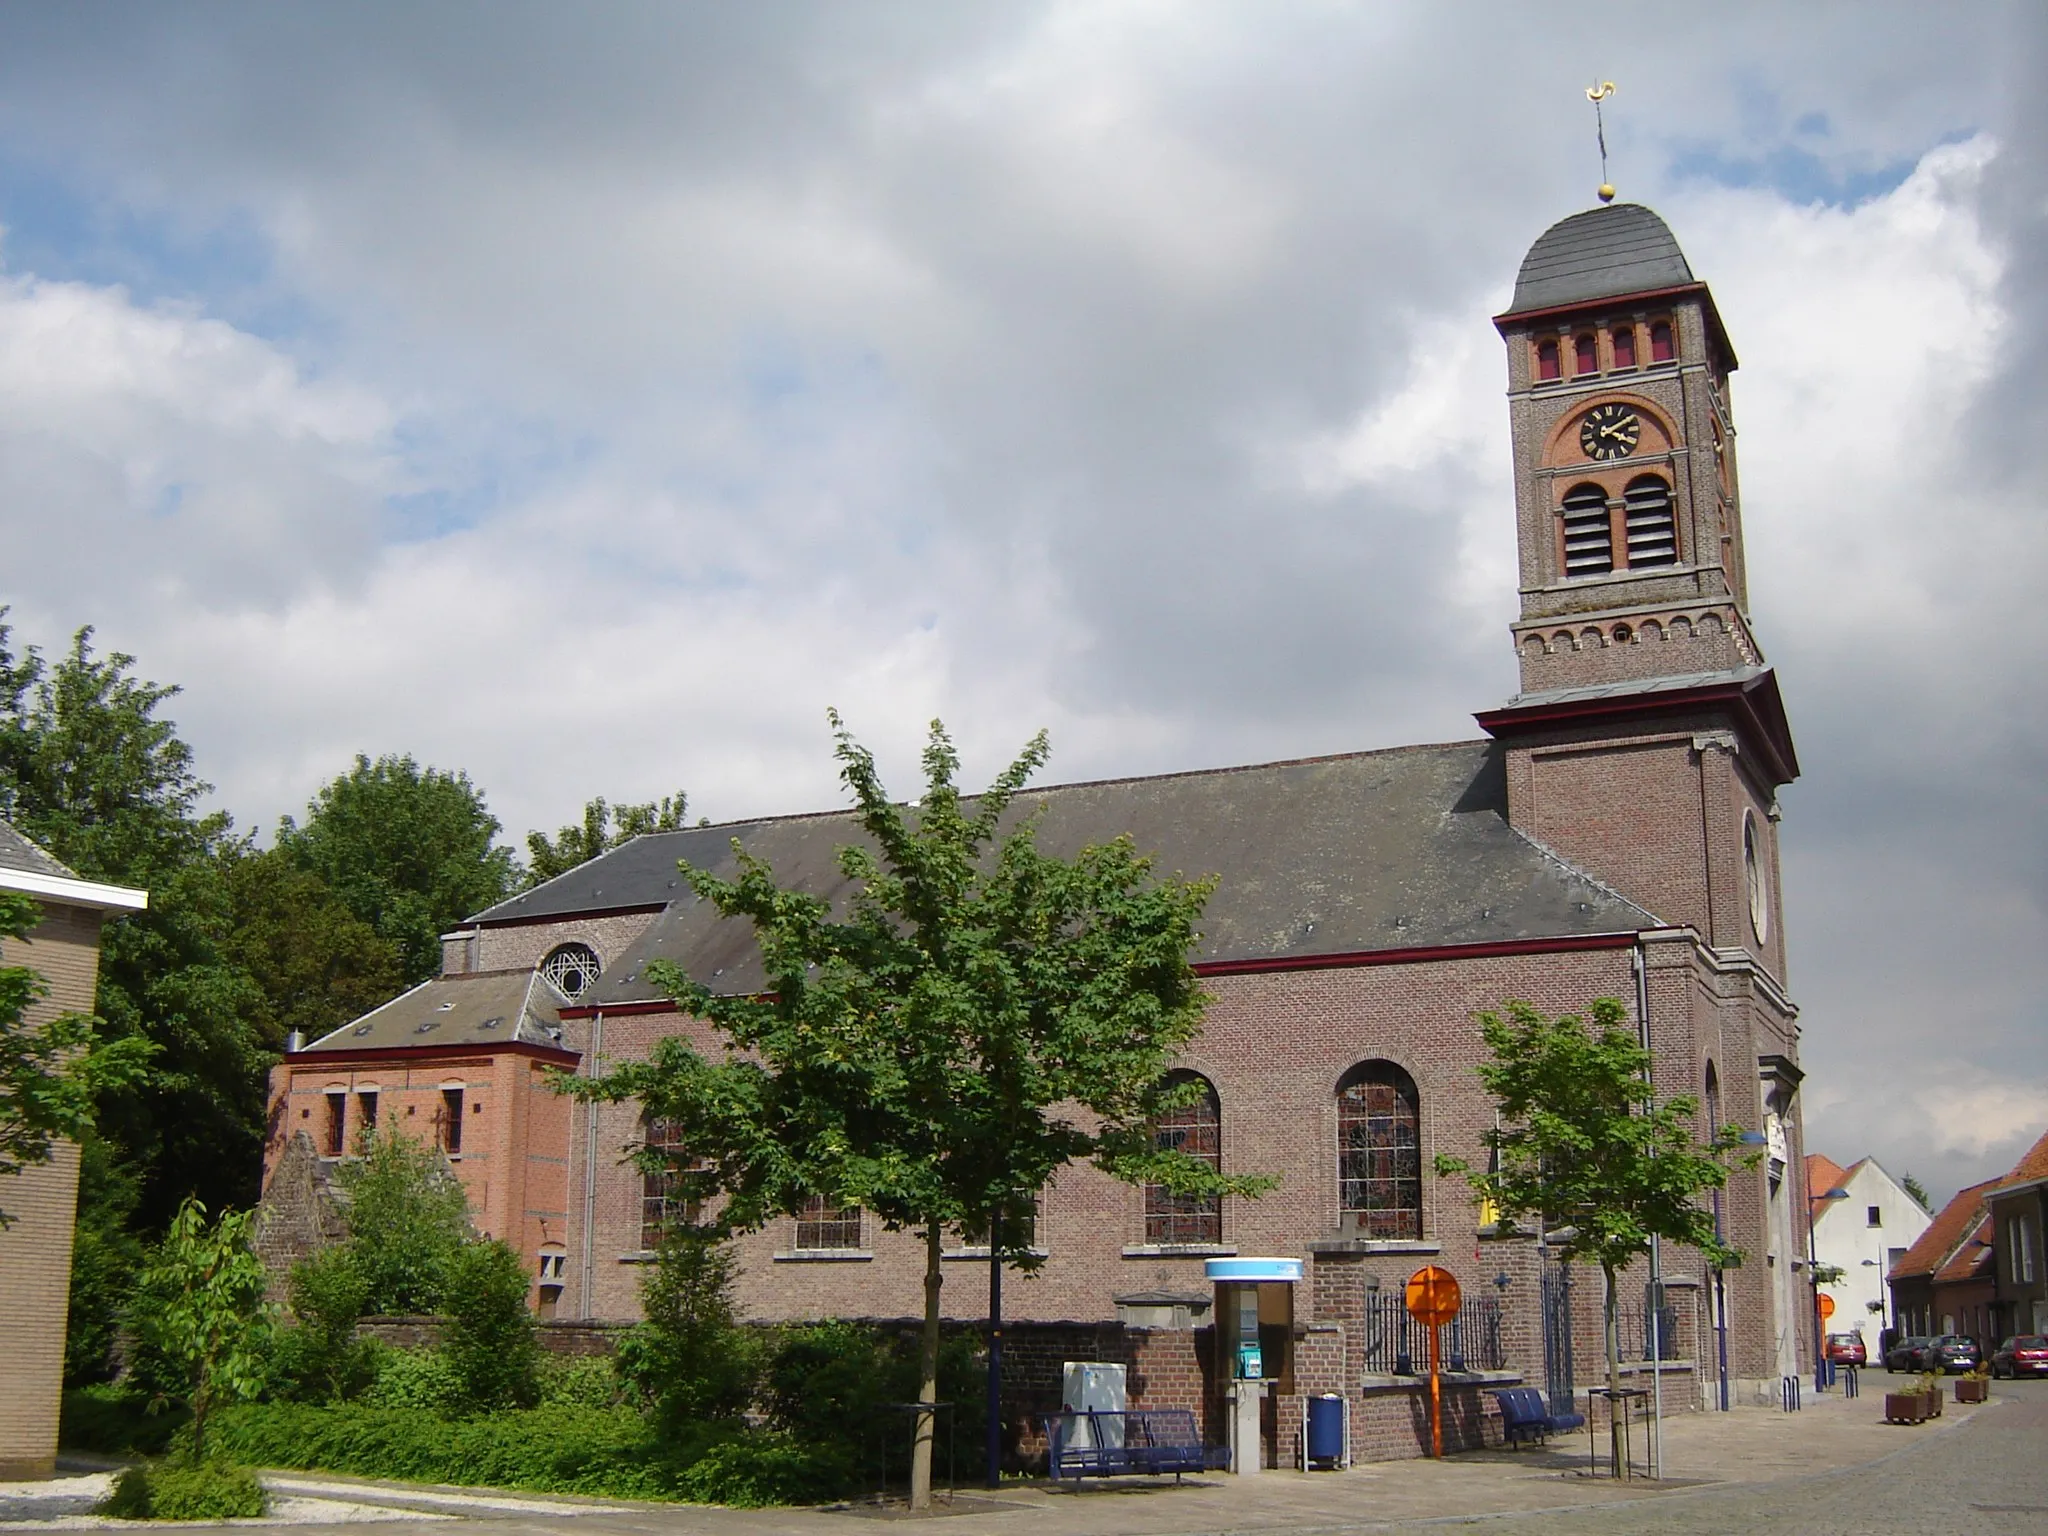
2018,1211
35,1250
1943,1284
1613,832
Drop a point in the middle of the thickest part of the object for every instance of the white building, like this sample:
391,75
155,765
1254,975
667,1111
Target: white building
1863,1230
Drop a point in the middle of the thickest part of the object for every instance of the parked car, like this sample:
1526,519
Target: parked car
2024,1354
1909,1354
1847,1349
1952,1352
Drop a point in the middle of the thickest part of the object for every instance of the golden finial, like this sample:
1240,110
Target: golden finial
1597,94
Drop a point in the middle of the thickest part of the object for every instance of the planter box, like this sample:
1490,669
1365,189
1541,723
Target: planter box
1933,1396
1904,1407
1970,1390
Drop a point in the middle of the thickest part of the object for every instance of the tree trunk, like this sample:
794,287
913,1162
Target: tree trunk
928,1376
1616,1448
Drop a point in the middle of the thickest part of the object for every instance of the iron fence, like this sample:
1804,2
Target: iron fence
1397,1345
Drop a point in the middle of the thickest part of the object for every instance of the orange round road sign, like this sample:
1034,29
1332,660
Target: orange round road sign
1827,1306
1433,1298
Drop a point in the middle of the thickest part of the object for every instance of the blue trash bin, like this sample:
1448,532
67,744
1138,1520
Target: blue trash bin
1326,1429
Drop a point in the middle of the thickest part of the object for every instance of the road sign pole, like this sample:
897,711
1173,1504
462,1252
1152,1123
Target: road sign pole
1436,1398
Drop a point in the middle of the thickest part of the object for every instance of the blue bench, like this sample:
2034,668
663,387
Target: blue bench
1524,1416
1102,1443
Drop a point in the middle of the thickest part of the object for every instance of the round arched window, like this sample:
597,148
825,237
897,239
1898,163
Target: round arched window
570,969
1753,872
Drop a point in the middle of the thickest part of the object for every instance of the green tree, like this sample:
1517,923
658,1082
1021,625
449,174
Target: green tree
409,850
407,1220
1582,1148
90,770
315,964
200,1309
1918,1192
489,1342
52,1073
688,1357
981,1015
603,828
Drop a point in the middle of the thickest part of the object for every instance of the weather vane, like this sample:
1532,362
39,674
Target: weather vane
1597,94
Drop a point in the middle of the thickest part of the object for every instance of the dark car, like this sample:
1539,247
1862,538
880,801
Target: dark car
1952,1352
2025,1354
1847,1349
1909,1354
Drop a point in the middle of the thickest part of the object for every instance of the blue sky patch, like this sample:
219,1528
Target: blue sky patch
1795,173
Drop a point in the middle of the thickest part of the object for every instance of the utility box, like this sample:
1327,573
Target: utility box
1094,1386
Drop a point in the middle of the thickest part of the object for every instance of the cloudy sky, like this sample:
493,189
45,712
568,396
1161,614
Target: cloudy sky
587,396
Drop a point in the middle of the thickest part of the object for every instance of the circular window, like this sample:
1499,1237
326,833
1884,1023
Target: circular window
570,969
1753,872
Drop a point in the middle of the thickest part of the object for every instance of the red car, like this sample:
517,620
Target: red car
1847,1349
2025,1355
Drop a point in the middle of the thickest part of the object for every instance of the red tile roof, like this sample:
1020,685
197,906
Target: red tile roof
1971,1259
1955,1222
2032,1166
1823,1173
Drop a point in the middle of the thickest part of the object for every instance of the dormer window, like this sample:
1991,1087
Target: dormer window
1663,345
1548,366
1624,344
1585,356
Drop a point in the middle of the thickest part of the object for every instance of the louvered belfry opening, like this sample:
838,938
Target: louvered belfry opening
1588,532
1652,534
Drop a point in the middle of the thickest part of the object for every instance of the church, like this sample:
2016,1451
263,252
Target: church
1611,831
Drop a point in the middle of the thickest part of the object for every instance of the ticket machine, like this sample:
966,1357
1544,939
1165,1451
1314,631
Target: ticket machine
1254,1344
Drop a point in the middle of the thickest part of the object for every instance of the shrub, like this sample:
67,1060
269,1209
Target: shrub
689,1360
210,1491
586,1383
114,1421
489,1343
756,1469
826,1383
415,1378
322,1360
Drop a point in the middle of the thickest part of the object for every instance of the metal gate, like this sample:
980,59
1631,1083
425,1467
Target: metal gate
1557,1336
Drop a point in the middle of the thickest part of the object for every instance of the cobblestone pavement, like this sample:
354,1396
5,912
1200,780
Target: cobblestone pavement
1834,1468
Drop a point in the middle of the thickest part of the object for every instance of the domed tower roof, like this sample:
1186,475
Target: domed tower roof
1600,254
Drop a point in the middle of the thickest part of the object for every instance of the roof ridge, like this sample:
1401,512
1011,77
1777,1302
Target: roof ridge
1579,874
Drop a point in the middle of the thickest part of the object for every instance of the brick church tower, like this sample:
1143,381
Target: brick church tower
1648,742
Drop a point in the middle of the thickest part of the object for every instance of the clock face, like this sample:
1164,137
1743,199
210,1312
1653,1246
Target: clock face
1610,431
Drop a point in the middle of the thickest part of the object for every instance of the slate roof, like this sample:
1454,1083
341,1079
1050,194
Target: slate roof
1599,254
1952,1224
480,1008
17,852
1400,849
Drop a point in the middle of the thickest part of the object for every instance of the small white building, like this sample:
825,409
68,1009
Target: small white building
1863,1223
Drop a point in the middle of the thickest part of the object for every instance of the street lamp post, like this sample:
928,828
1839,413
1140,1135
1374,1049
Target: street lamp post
1820,1338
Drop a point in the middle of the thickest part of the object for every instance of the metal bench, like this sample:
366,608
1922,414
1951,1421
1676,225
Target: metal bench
1135,1441
1524,1416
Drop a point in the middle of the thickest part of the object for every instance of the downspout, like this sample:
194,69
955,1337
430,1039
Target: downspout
587,1260
1656,1307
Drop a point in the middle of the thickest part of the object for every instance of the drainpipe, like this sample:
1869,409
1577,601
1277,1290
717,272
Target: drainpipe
1656,1307
591,1068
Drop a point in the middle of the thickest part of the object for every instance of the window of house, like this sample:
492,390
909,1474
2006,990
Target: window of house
1652,532
1547,362
334,1132
450,1121
366,1113
2019,1237
1585,356
1624,343
1872,1216
662,1201
1588,532
570,969
1197,1130
1663,345
1379,1152
825,1224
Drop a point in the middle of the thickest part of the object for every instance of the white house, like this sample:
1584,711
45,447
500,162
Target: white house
1863,1223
